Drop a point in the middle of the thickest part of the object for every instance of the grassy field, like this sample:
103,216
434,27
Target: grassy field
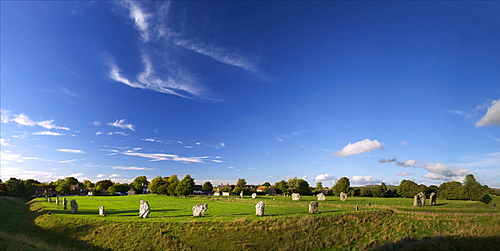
230,224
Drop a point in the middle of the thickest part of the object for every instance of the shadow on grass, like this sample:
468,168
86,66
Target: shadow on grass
444,243
20,232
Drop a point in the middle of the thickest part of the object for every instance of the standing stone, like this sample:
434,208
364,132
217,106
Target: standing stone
313,207
199,210
343,196
433,198
241,194
357,208
321,197
254,195
296,196
259,208
144,209
419,199
57,201
65,203
101,211
49,200
74,206
422,199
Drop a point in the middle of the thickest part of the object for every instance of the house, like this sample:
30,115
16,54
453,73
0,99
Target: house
261,188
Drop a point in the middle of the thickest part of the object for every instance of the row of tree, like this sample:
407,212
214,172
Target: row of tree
470,190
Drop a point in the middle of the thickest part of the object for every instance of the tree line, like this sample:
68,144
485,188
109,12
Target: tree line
471,189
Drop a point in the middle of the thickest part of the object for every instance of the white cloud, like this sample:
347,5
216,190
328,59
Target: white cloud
178,83
101,175
48,133
230,167
140,19
70,150
404,143
23,120
163,156
49,124
67,161
359,147
364,180
409,163
492,116
75,175
8,172
120,123
223,55
132,168
405,174
3,142
484,160
114,175
440,171
96,123
324,177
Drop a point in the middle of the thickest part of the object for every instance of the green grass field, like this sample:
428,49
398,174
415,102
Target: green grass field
230,224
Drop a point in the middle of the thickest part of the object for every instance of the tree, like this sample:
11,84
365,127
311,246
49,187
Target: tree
342,185
88,184
155,185
296,185
408,189
207,187
121,188
63,188
451,190
266,184
319,185
103,185
281,187
139,183
378,191
31,185
185,186
240,186
472,189
71,180
173,181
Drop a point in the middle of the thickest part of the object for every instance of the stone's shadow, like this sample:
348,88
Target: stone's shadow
443,243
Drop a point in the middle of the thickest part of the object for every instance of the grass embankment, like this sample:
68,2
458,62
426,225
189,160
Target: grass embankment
230,224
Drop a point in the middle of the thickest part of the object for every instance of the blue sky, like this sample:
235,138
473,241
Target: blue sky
372,91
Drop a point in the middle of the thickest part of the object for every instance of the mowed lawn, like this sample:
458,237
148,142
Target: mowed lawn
178,209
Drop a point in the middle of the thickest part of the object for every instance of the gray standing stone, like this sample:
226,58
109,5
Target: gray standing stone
321,197
419,199
65,203
74,206
241,194
357,208
259,208
144,209
101,211
433,198
343,196
313,207
296,196
199,210
254,195
49,200
57,201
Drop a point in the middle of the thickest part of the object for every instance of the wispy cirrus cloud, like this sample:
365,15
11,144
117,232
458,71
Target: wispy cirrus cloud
135,168
163,156
23,120
120,123
48,133
70,150
360,147
172,78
